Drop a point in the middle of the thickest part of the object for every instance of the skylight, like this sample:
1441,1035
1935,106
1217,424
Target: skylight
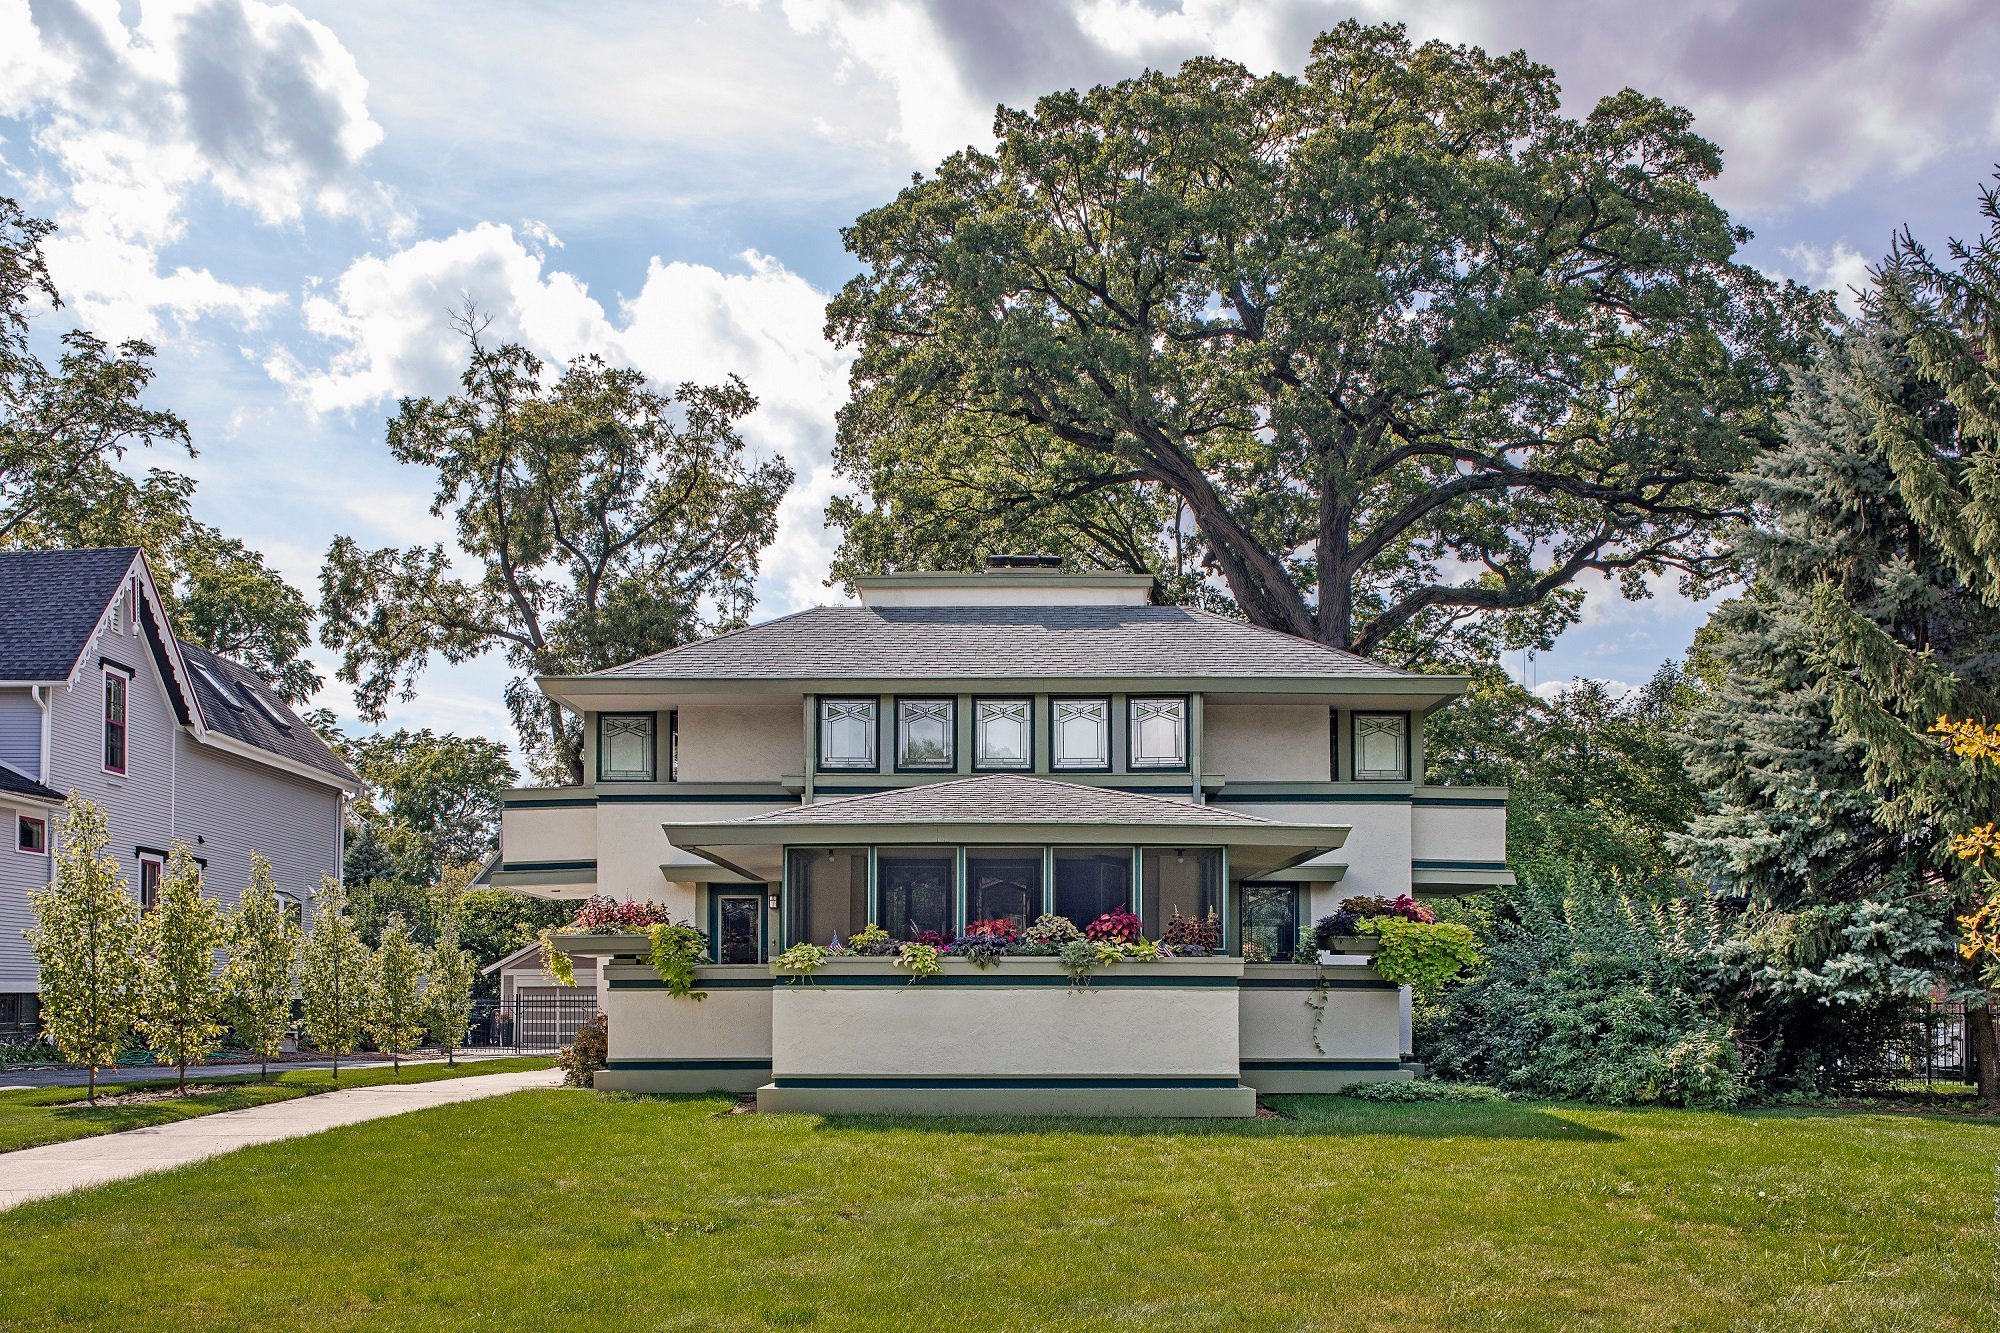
221,687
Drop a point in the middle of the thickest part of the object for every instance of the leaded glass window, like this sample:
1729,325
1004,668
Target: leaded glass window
1003,733
847,731
1159,732
1080,733
1381,747
625,749
925,733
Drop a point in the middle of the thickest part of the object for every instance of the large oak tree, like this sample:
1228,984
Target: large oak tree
1391,353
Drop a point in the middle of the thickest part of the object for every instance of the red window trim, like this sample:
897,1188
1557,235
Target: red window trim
150,859
124,724
42,836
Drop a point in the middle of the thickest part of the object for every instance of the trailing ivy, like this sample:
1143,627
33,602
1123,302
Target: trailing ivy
677,951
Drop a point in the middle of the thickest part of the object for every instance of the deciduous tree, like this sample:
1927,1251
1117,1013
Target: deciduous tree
448,976
610,520
334,980
1401,351
396,1009
86,944
180,980
261,979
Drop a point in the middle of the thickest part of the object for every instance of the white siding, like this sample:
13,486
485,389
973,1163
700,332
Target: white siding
21,732
20,875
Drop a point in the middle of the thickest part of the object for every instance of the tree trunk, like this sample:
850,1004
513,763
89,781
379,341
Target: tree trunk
1983,1045
92,1097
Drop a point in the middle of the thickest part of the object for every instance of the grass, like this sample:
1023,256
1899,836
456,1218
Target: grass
30,1117
574,1209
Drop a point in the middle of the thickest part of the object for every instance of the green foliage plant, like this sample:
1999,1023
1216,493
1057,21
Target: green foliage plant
1404,1091
180,986
677,950
1423,955
801,960
920,961
396,1000
1049,928
334,983
448,976
86,942
869,938
1080,958
587,1052
554,961
261,979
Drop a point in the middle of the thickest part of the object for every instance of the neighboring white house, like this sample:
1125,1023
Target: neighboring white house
97,697
961,747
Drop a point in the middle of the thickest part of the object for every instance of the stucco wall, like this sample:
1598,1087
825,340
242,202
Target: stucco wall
1458,833
741,744
1266,742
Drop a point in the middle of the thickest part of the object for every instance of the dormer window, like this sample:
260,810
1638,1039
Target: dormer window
926,732
1080,733
1003,733
1158,732
848,729
626,750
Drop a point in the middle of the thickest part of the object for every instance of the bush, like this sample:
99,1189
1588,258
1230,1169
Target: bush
1591,995
1423,1090
585,1055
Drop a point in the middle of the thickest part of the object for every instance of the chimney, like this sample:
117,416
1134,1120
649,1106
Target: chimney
1002,564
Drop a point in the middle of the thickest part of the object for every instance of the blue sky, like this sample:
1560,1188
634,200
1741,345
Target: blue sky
290,200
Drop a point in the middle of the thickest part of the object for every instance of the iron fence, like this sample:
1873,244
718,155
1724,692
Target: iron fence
531,1024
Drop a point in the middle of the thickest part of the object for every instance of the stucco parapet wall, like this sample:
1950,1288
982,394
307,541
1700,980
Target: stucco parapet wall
1166,973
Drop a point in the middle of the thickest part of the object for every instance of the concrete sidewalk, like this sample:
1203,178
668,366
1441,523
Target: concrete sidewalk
57,1168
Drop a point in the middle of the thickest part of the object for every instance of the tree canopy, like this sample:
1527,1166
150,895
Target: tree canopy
609,519
1394,350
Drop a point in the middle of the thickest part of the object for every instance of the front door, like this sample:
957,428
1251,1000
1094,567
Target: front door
739,928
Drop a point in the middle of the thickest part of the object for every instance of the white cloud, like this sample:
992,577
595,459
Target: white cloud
1839,266
389,322
250,100
1808,98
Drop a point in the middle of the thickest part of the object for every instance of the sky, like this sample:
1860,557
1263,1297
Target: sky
291,200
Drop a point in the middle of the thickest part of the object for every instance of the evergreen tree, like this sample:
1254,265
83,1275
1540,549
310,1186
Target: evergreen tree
260,979
448,992
180,985
86,942
1850,920
396,1003
334,970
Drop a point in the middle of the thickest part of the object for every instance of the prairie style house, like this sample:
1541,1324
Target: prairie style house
965,747
98,697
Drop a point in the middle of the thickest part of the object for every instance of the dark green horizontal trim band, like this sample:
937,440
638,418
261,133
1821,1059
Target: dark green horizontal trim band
831,790
1458,865
521,867
693,798
548,802
1387,1065
1031,1082
1226,797
1307,983
1000,979
1477,802
753,1062
720,983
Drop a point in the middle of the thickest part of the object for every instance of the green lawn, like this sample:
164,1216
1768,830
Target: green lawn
32,1116
572,1209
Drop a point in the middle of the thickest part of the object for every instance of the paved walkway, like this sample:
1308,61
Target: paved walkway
57,1168
63,1078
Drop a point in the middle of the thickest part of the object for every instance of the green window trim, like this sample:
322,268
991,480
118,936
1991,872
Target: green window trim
1057,703
825,702
949,703
626,723
1026,764
1133,704
1357,728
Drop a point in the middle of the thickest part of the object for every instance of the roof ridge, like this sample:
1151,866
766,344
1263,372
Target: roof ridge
1292,638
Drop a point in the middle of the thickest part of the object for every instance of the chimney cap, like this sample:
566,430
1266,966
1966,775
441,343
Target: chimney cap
1002,563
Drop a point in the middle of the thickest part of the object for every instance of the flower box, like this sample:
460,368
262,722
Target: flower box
1352,944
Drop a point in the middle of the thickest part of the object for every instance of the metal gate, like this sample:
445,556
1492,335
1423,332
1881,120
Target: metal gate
539,1020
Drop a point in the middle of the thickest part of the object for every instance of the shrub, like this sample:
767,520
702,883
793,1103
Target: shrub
1051,929
585,1055
1590,994
1116,926
1423,1090
606,916
1193,935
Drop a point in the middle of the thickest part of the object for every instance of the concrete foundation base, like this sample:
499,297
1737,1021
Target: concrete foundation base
661,1077
1010,1097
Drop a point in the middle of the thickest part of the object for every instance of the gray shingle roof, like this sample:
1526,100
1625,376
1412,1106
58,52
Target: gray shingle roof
1000,642
20,784
240,718
1003,798
50,601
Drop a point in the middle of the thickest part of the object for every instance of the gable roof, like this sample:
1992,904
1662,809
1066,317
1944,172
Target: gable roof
1002,643
1007,798
50,605
254,713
